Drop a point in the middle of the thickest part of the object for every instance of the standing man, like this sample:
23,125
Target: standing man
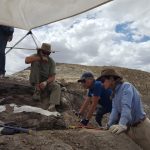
6,35
97,96
127,110
42,76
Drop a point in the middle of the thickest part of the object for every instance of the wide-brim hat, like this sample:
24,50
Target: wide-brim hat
45,47
109,72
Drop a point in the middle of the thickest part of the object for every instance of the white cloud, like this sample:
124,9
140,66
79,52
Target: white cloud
91,39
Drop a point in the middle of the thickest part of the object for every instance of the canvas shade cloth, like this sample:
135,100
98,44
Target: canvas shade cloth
29,14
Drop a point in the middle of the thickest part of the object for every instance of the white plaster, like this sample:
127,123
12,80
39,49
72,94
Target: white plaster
12,105
1,128
41,111
2,108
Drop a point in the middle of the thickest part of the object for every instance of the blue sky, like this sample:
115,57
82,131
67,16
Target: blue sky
128,33
115,34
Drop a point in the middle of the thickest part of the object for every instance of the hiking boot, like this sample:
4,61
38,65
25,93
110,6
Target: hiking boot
36,96
52,107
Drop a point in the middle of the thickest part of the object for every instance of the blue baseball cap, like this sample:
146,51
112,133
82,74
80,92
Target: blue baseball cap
86,75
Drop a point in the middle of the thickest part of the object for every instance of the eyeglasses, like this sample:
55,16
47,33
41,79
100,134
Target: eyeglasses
104,78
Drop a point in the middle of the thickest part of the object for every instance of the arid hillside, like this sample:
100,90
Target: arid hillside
52,130
72,72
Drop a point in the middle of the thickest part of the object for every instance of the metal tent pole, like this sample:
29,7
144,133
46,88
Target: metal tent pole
22,48
34,40
29,33
18,42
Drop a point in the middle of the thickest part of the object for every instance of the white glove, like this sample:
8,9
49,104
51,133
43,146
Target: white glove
43,85
44,59
117,129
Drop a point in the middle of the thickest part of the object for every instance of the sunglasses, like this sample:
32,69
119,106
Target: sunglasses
104,78
82,81
46,52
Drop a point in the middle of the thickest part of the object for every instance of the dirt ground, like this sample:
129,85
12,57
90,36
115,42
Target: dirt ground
67,140
52,132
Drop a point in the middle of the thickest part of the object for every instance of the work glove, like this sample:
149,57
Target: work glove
84,122
43,85
44,59
117,129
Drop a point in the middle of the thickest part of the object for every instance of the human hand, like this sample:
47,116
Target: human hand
84,122
10,38
117,129
42,85
44,59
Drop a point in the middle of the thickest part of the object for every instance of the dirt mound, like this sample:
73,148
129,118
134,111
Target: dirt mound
16,95
68,140
16,105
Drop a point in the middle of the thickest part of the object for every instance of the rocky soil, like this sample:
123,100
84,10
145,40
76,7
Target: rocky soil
68,140
51,131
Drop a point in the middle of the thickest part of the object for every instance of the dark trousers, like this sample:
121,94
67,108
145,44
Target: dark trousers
3,43
100,111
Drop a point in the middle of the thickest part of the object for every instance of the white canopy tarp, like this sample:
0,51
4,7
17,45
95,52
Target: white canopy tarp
29,14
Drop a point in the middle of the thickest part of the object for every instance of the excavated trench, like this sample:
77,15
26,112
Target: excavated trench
16,106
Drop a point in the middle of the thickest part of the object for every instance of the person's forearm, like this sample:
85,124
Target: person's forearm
84,105
92,109
126,116
113,118
126,105
31,59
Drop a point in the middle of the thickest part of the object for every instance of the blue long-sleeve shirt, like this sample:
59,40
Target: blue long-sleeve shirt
126,105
